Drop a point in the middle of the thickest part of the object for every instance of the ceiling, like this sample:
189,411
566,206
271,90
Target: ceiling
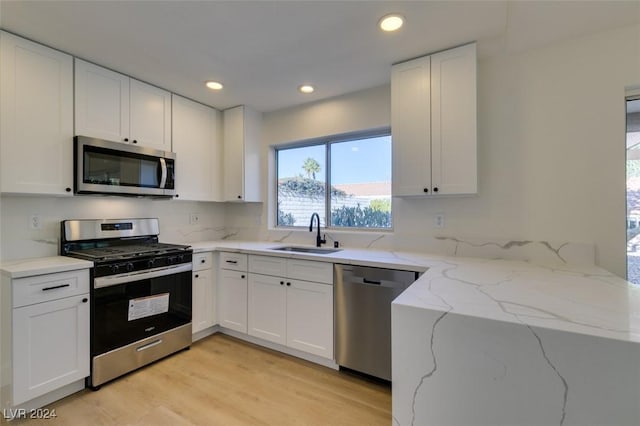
263,50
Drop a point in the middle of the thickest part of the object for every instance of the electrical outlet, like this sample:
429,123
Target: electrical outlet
35,222
438,220
194,218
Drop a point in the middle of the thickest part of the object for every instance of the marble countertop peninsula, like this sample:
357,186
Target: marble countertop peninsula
576,298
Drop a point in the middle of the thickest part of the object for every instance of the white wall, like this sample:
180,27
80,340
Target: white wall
551,162
551,141
20,241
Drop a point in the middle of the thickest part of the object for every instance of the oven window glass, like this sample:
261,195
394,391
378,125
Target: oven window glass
108,167
125,313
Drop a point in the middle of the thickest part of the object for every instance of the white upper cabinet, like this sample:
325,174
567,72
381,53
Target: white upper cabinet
434,124
150,119
112,106
242,154
197,142
102,102
411,126
36,118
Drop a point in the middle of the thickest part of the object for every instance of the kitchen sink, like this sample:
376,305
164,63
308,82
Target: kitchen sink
314,250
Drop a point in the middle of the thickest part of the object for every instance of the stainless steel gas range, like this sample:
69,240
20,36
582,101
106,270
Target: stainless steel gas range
140,293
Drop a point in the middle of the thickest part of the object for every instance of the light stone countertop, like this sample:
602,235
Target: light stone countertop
582,299
42,265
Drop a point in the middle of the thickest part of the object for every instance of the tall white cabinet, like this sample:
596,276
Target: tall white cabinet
197,142
36,118
242,165
203,292
434,124
232,291
112,106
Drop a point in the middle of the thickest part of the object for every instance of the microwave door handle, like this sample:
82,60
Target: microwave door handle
163,175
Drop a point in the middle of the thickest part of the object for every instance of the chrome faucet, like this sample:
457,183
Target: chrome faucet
319,240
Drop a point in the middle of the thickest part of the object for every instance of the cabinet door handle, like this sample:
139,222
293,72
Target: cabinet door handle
281,282
435,189
231,261
126,139
202,261
241,276
426,190
85,300
288,283
197,276
56,287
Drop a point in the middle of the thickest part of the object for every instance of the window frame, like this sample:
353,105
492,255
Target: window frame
327,141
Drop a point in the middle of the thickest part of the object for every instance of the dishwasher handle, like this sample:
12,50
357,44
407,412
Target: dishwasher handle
356,280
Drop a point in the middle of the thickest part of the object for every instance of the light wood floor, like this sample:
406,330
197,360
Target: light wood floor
225,381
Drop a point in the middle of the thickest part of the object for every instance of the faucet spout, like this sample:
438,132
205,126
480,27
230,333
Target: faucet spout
319,240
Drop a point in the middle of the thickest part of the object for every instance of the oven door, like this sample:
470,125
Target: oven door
130,307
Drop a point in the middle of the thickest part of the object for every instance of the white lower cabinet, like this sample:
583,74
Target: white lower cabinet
310,317
50,346
203,292
274,299
267,308
232,300
46,327
289,311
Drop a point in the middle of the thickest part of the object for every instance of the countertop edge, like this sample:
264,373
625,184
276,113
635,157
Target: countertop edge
40,266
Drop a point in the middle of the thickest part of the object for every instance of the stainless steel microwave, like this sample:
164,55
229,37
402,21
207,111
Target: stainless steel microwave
105,167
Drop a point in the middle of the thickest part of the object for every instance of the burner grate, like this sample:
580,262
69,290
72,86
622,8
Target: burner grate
127,251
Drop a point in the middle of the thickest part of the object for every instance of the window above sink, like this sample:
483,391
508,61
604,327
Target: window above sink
346,179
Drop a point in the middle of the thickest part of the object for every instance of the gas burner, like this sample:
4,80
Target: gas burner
120,245
103,254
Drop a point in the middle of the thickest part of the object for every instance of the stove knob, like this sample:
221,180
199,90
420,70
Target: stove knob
180,258
151,263
129,267
171,260
114,269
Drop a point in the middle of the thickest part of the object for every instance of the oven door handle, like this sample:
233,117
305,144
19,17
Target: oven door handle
112,280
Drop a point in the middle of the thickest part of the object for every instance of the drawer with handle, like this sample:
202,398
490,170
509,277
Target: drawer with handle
233,261
43,288
202,261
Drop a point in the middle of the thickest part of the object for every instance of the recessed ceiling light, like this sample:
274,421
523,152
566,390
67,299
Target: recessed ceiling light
214,85
391,22
306,88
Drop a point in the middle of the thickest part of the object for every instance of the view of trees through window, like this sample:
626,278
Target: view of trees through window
633,191
348,181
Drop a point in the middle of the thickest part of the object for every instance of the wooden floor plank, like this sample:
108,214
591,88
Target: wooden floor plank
225,381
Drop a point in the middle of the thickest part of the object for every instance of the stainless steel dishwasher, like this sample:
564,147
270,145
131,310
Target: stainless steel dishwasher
362,297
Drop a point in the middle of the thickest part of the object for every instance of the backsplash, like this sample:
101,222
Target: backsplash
245,222
19,240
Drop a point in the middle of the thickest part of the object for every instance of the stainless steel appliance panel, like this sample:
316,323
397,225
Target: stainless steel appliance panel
362,297
106,167
122,360
91,229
